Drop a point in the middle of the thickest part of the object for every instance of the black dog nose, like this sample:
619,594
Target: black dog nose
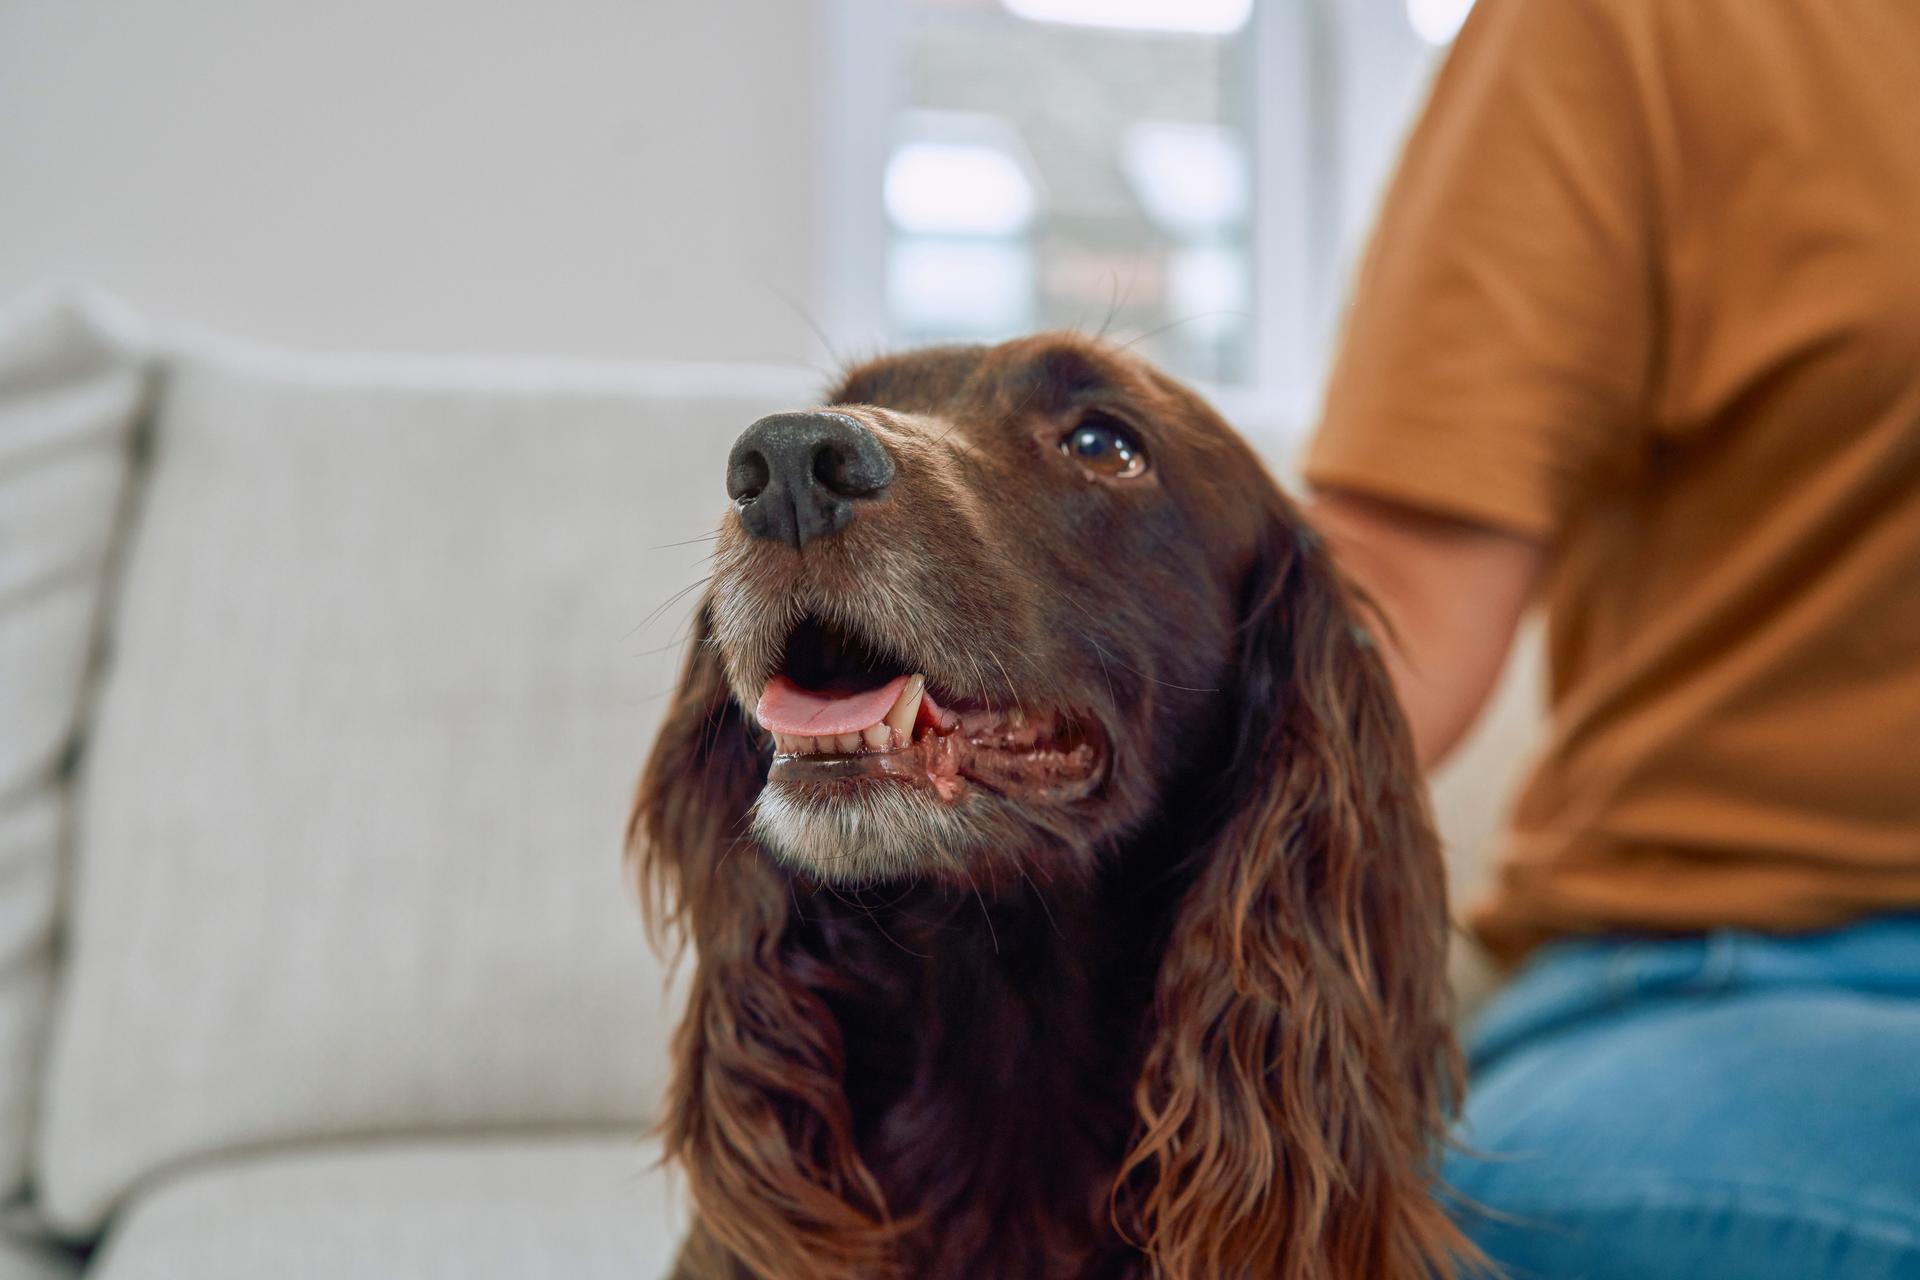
794,476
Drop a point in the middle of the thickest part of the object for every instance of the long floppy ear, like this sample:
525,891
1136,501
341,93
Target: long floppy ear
1301,1070
755,1113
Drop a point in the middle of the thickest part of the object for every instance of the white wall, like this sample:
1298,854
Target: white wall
588,177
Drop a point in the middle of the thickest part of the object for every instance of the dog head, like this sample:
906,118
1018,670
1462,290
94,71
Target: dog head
983,605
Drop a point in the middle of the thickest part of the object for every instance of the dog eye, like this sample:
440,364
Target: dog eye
1100,443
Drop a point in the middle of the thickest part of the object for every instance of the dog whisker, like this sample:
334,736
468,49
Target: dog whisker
667,604
1106,656
689,542
992,934
1041,898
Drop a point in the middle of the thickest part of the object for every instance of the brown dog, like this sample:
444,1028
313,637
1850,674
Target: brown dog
1063,895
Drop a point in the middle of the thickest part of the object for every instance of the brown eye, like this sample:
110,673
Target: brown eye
1101,444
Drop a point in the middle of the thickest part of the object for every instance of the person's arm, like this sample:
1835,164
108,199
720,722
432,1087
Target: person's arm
1451,593
1496,356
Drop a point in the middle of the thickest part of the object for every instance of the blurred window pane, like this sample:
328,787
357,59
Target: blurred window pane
1212,16
1438,21
1077,164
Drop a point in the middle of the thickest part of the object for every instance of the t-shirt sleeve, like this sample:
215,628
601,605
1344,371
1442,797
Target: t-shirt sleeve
1496,354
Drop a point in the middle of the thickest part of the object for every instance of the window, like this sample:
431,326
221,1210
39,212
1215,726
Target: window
1193,176
1075,163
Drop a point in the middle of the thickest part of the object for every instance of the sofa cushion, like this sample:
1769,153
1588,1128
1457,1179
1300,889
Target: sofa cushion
72,384
23,1260
387,662
581,1209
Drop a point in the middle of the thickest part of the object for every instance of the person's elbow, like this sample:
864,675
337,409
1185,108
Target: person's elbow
1451,594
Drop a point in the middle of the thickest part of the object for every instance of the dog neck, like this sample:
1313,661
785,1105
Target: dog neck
981,1036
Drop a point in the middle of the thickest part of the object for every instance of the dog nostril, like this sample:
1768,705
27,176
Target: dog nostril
851,473
830,469
748,477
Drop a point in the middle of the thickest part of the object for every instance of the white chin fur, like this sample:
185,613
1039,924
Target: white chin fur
884,832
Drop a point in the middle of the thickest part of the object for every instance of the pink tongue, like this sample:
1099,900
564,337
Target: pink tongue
787,708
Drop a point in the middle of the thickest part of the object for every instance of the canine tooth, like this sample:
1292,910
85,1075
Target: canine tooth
906,708
846,743
877,736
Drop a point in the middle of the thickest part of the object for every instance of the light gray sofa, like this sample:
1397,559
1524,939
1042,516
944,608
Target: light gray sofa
323,683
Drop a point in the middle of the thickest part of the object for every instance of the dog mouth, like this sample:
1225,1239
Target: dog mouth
842,710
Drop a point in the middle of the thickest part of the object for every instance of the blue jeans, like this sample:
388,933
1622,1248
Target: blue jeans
1735,1105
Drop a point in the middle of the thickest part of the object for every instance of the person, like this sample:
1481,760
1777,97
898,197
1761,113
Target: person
1637,338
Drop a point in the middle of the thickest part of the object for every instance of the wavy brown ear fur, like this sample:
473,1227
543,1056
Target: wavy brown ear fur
755,1114
1301,1066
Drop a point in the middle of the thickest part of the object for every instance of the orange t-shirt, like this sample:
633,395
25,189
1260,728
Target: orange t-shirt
1647,288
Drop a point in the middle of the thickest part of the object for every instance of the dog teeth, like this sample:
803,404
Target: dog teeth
893,730
906,708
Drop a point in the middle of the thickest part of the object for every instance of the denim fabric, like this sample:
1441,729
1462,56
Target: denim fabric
1729,1106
